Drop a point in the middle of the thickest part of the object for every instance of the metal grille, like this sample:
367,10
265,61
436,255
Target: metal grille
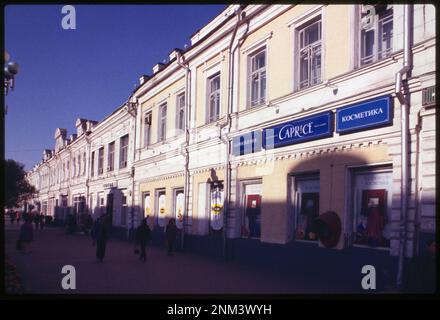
428,98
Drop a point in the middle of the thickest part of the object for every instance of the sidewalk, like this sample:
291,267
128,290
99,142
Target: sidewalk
122,272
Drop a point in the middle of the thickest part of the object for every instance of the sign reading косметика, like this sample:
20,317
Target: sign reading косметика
364,115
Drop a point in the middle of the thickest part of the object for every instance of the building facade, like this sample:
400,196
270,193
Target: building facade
273,116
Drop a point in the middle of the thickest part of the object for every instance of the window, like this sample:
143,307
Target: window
371,206
251,223
92,165
161,136
309,37
180,112
74,167
376,33
123,152
306,206
111,157
79,165
64,171
213,98
161,207
179,206
84,163
101,160
147,129
124,210
258,78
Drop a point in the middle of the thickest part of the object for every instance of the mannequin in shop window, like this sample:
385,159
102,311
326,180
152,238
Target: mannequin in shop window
310,210
376,220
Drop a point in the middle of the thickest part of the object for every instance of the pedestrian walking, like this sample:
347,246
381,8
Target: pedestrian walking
36,220
18,216
101,236
94,231
26,236
12,215
41,220
142,238
171,235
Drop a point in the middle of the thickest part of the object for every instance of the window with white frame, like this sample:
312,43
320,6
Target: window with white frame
84,163
213,113
111,156
101,160
376,33
123,152
162,127
257,80
147,128
79,165
92,164
180,112
74,167
309,53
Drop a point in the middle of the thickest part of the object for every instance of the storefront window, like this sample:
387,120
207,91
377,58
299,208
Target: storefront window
179,204
161,207
372,207
251,224
306,206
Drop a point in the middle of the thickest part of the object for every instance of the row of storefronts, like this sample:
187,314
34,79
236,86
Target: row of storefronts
236,141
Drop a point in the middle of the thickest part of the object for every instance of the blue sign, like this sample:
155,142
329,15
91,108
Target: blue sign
364,115
246,143
305,129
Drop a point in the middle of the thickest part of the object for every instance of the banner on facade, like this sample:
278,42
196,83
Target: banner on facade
161,209
364,115
296,131
247,143
180,201
217,199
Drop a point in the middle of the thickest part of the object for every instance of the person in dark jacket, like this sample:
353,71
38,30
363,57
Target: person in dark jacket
41,220
26,236
142,237
171,235
12,215
36,220
101,235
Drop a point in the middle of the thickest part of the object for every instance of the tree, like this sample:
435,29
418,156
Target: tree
17,188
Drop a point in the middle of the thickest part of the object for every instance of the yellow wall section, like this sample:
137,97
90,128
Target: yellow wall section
337,40
168,95
332,169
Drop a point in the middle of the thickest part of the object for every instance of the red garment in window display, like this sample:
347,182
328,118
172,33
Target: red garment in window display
373,207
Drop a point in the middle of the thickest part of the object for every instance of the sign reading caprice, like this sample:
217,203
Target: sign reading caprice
309,128
364,115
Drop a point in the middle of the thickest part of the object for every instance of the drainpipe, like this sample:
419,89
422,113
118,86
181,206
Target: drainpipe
404,102
133,113
228,125
181,62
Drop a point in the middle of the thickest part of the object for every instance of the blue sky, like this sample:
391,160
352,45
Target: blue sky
87,72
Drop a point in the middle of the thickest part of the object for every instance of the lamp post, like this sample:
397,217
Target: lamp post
10,70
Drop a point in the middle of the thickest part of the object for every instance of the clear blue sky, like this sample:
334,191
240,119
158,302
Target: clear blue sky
87,72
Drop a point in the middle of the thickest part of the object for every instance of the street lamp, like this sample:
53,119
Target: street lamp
11,69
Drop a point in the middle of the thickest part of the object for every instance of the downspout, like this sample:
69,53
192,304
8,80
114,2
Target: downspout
228,125
184,65
133,113
405,104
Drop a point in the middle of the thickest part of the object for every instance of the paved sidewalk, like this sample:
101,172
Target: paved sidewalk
122,272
